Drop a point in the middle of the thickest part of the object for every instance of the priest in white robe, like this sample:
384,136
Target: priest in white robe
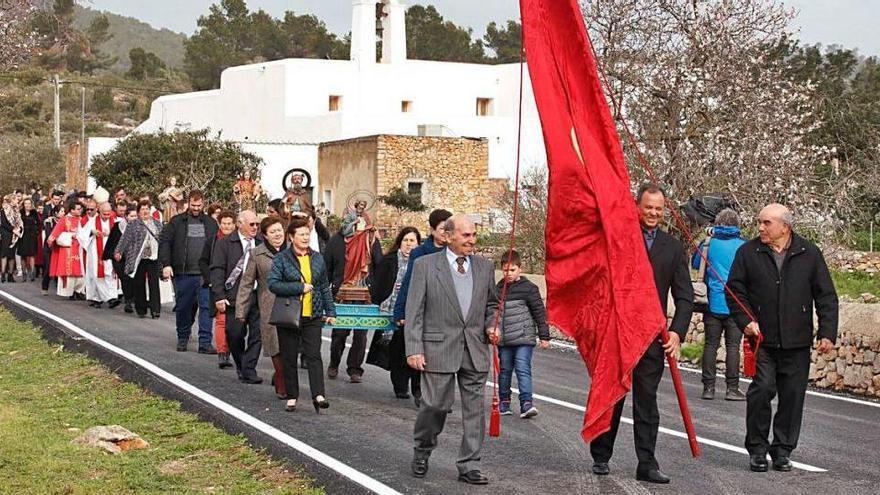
100,280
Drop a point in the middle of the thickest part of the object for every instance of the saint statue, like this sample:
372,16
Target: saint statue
169,199
298,197
359,234
246,191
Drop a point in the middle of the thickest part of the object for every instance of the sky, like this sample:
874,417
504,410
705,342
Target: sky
848,23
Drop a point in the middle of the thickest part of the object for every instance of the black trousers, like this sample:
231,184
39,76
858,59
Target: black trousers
646,416
784,372
356,354
125,280
306,340
150,269
715,325
244,339
47,261
402,376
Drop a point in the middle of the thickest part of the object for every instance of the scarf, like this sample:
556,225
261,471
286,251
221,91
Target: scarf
387,305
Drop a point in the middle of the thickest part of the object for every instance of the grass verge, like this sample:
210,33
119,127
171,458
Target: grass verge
48,397
855,284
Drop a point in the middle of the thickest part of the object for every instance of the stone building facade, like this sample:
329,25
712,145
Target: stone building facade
450,173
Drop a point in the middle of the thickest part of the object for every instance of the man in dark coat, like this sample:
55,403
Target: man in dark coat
777,279
670,273
334,257
230,256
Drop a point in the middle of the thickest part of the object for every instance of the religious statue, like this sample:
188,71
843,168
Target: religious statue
359,233
169,199
298,197
247,191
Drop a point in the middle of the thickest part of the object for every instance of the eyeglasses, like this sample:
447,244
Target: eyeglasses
254,224
90,209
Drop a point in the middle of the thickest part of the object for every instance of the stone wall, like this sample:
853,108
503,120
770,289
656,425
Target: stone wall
854,363
454,173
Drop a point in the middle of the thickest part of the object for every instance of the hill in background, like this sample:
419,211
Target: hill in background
129,33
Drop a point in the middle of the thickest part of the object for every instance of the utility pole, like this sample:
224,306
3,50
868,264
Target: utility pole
57,83
82,133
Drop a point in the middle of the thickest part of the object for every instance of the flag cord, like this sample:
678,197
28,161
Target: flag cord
651,173
494,426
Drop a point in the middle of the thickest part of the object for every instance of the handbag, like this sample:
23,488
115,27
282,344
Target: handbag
701,290
287,312
380,351
65,239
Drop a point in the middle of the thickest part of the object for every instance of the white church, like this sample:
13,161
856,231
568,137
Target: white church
282,110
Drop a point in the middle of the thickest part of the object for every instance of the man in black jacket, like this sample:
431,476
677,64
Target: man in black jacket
180,248
231,254
334,257
670,273
776,279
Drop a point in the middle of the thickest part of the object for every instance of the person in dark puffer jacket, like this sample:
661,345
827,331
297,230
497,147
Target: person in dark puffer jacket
524,319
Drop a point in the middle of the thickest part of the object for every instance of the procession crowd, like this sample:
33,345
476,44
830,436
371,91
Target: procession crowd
268,284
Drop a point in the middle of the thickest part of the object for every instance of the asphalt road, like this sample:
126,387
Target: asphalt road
370,431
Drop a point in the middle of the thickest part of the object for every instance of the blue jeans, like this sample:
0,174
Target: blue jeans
189,297
515,358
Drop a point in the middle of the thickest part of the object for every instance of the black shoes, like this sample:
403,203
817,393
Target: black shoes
653,476
356,378
401,395
708,392
474,477
207,349
223,360
417,399
735,394
320,404
181,344
128,308
252,379
758,463
781,463
112,303
155,316
601,468
332,373
419,467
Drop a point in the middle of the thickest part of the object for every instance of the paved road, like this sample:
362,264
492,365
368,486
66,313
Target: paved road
370,430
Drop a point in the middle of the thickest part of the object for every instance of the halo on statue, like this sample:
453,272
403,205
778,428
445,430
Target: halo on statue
287,181
361,195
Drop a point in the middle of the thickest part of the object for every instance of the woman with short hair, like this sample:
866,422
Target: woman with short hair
300,272
257,272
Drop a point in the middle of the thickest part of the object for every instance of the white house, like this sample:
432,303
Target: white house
283,109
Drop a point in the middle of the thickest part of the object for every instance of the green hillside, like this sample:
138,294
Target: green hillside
129,33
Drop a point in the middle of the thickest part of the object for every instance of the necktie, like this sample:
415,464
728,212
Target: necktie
460,260
239,267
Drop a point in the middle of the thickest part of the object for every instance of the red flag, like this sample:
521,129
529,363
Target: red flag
600,285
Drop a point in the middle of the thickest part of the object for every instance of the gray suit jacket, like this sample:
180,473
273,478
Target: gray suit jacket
434,326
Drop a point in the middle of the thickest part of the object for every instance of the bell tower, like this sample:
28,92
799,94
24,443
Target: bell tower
372,20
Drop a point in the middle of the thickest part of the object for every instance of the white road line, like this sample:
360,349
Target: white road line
565,345
675,433
314,454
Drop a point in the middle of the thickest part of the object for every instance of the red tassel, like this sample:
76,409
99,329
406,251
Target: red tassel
750,353
495,419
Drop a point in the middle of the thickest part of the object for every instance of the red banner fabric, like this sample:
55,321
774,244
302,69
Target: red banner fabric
600,285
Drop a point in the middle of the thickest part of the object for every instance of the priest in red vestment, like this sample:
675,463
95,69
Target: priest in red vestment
66,263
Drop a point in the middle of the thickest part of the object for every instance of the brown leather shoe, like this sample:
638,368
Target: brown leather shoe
356,378
332,373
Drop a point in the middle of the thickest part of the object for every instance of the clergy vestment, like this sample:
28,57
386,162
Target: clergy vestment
66,263
100,281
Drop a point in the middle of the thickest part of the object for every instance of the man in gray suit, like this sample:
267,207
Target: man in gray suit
451,296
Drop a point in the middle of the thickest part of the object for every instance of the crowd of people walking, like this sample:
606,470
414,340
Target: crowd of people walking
268,284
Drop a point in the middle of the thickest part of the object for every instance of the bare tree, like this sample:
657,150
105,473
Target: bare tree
531,218
710,107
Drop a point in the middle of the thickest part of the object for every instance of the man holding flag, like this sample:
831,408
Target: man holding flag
603,272
670,272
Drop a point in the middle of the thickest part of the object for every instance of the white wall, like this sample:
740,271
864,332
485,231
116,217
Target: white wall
286,101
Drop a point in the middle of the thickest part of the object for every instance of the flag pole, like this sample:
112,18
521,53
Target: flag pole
682,398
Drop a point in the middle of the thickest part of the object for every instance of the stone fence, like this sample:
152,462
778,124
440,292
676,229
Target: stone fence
852,366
